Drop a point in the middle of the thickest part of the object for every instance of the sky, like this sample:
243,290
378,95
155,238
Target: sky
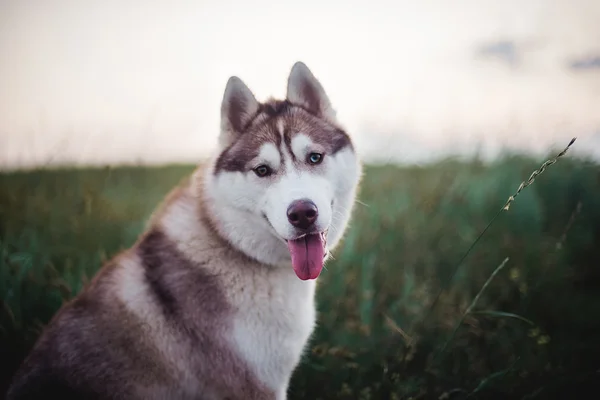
130,81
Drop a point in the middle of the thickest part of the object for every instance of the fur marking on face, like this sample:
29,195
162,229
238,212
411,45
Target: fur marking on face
287,153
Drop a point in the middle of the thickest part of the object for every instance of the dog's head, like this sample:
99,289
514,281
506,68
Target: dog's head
283,185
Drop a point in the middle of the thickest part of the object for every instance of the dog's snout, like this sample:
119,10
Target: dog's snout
302,213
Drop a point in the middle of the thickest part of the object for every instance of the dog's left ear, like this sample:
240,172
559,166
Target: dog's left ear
238,108
306,91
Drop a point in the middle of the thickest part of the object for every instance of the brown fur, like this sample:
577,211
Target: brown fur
97,348
263,128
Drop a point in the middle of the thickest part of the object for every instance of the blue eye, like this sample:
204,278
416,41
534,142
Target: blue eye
262,171
315,158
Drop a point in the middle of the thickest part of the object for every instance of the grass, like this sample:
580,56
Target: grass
530,332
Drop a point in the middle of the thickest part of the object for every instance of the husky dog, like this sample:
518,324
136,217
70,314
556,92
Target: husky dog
215,300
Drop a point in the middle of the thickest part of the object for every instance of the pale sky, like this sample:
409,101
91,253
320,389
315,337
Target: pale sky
122,81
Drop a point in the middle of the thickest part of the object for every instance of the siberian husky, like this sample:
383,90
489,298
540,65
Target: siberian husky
215,300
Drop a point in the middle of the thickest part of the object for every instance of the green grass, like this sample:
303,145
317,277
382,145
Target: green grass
533,332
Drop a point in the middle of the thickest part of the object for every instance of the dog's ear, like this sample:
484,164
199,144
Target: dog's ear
306,91
238,108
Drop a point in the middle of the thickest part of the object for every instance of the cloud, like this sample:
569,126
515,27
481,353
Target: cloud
505,51
585,63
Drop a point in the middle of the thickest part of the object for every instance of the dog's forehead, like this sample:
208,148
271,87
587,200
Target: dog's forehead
290,130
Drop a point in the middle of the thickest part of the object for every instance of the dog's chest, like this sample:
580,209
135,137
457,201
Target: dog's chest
273,323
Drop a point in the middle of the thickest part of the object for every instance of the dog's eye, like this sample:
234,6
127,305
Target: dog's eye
315,158
262,171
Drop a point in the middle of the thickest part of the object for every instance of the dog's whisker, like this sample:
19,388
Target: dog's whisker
361,203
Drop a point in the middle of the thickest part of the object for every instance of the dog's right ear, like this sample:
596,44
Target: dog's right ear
306,90
238,108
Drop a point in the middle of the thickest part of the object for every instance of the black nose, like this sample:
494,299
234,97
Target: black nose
302,213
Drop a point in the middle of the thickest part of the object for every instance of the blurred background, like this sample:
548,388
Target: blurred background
106,105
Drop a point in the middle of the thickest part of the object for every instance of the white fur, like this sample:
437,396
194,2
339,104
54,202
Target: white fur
275,309
302,145
238,196
269,155
275,312
276,315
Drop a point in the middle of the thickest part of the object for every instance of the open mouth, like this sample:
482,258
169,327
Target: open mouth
308,254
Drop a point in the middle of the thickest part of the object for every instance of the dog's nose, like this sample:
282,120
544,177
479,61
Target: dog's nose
302,213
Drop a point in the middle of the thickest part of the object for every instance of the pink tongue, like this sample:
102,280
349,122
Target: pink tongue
307,256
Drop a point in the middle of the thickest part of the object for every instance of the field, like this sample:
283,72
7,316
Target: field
533,332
